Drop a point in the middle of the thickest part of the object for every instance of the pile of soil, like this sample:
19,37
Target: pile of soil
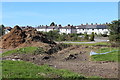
22,38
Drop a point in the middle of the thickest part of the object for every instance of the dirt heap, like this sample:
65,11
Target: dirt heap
22,38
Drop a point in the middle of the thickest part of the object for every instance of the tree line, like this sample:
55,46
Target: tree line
2,32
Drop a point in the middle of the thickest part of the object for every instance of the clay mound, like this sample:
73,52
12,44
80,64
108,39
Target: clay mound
22,38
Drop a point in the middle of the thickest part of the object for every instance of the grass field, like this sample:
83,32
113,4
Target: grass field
20,51
112,56
21,69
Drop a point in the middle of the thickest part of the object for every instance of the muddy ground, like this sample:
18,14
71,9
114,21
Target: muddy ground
74,58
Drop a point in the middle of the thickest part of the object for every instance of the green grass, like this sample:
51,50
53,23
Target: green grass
73,41
112,56
20,51
90,44
106,49
21,69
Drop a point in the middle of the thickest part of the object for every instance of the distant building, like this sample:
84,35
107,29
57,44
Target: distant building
24,27
98,29
47,28
7,29
68,29
42,28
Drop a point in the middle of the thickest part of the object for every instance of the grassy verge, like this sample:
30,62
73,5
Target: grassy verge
72,41
21,69
106,49
24,50
90,44
112,56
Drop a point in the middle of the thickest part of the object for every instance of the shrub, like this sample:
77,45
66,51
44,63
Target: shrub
86,37
57,48
92,37
39,50
114,29
104,35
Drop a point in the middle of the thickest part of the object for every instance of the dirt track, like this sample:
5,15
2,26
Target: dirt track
102,69
75,58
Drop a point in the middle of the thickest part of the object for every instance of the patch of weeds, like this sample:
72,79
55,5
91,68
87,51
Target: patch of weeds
39,50
24,50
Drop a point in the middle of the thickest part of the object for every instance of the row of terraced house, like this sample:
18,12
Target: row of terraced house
87,28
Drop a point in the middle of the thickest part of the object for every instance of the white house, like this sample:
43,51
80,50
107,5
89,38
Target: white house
7,29
98,29
68,29
42,28
47,28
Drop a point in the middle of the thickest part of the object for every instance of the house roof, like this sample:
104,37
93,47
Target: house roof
48,27
41,27
7,28
101,26
81,27
68,27
92,27
74,27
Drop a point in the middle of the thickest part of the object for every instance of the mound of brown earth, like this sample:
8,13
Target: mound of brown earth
22,38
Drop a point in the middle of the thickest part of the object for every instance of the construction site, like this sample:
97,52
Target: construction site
75,58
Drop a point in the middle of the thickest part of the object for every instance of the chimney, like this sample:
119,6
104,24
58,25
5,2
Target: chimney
81,24
106,23
68,24
59,24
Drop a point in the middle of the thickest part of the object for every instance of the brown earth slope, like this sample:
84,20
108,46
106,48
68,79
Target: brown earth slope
22,38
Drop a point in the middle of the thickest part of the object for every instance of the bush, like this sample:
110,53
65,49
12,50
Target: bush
114,29
39,50
104,35
2,32
54,35
57,48
86,37
92,37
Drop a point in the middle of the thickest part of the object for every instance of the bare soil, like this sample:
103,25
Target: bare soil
22,38
74,58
